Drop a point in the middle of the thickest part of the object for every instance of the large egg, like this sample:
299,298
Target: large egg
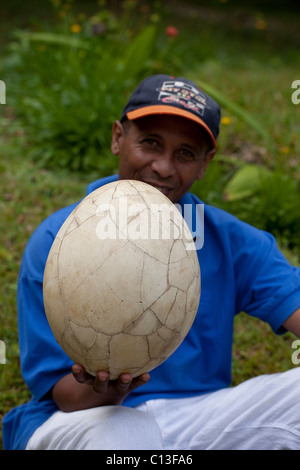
122,280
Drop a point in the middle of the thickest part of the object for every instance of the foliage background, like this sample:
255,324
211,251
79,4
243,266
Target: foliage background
69,67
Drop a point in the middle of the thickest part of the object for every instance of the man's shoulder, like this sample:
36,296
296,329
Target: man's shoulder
223,228
216,215
51,225
44,235
40,242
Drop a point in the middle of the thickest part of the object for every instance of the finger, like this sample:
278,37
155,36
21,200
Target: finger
101,382
122,384
139,381
81,375
127,384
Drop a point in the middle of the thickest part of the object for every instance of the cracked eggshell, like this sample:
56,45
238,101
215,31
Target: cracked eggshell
121,290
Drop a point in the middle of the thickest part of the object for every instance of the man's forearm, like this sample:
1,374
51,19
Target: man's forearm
70,395
292,323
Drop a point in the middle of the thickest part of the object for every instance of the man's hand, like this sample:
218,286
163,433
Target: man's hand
80,390
113,391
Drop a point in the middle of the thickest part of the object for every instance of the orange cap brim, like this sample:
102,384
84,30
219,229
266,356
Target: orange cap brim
164,109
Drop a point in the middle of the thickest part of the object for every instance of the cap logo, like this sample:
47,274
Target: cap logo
183,94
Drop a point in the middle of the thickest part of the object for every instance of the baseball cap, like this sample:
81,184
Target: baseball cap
162,94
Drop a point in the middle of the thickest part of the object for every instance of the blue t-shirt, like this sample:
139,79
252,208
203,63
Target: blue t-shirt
241,270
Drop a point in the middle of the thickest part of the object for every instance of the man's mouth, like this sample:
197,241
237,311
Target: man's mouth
162,188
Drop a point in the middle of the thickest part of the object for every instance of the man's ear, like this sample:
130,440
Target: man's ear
207,159
117,135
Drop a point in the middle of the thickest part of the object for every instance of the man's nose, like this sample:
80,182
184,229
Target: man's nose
163,165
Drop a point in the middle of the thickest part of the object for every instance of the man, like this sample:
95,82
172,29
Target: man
166,137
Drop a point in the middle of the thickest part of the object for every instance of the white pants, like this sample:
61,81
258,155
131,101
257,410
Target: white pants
261,413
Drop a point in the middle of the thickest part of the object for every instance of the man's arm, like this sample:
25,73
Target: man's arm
79,390
292,323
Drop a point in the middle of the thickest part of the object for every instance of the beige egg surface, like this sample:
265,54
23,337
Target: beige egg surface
122,280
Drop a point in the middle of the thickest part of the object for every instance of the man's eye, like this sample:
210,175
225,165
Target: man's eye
150,143
186,154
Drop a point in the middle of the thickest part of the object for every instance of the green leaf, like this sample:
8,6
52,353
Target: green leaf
138,51
52,38
245,182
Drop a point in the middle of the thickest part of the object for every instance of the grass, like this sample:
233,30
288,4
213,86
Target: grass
253,67
256,350
28,196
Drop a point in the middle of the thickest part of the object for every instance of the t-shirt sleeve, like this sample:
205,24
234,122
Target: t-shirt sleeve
268,286
43,362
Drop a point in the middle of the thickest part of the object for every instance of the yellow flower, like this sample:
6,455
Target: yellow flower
225,120
62,13
75,28
260,24
285,149
154,18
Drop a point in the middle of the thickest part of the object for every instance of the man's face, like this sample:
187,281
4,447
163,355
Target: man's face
168,152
